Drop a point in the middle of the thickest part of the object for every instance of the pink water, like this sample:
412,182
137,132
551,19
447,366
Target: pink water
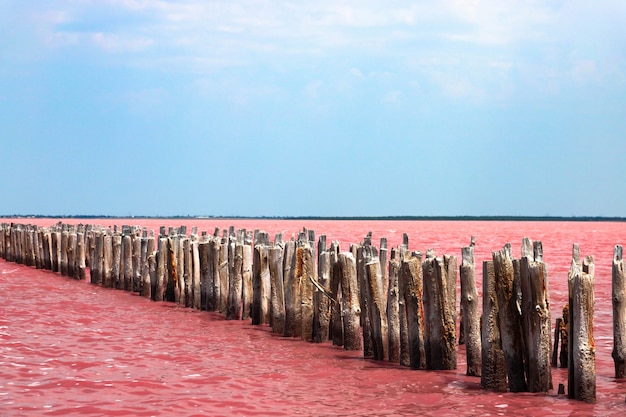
71,348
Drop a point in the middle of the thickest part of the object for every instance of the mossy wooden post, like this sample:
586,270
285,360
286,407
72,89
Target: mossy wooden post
439,318
509,320
410,287
377,309
195,275
583,366
493,371
293,314
277,290
469,309
80,255
619,313
336,320
393,307
107,261
234,309
161,269
127,262
536,312
350,302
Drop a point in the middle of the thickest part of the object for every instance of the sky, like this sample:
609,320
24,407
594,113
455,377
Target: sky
325,108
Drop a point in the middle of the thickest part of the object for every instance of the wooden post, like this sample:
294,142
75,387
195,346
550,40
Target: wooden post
336,320
136,263
439,318
224,276
107,259
80,253
64,238
277,305
619,313
127,251
205,285
509,319
493,372
377,309
305,273
214,274
71,253
293,314
149,269
234,309
321,318
117,274
96,260
393,306
350,302
54,254
261,286
410,283
583,365
536,312
364,254
246,279
186,297
161,269
469,309
195,274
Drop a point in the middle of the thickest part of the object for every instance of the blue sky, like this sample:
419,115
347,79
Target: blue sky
365,108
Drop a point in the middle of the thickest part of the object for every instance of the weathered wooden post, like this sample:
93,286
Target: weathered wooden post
96,260
246,279
54,245
71,253
107,259
136,263
64,238
277,305
377,309
305,273
410,284
583,366
293,314
350,302
439,312
393,314
224,275
322,300
127,250
619,313
233,312
364,254
206,286
149,268
195,274
80,254
336,319
261,286
469,309
161,269
509,319
493,371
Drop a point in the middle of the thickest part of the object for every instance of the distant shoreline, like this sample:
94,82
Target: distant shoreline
340,218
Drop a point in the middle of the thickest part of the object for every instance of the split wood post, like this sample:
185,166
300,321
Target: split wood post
161,269
536,316
293,314
246,279
234,309
509,319
321,318
179,255
336,320
195,274
439,318
54,245
96,260
377,309
305,273
47,261
277,305
493,371
117,276
410,284
583,366
570,340
127,262
469,310
107,260
393,306
213,286
364,254
40,246
187,274
350,302
619,313
260,286
80,254
384,263
171,284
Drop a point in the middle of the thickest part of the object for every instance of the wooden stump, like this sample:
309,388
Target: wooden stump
277,296
583,366
410,287
619,313
509,320
350,302
393,307
469,309
377,309
493,372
